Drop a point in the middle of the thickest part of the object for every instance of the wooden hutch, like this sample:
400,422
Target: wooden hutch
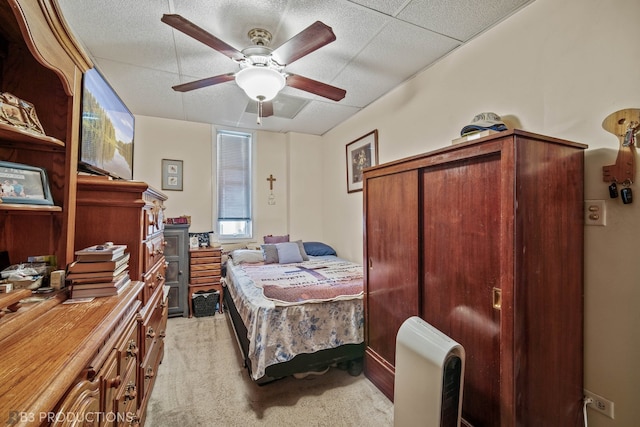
71,364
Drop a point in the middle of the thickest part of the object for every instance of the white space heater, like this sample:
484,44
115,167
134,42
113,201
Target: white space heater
429,377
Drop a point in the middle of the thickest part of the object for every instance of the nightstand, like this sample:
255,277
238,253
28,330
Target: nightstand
204,273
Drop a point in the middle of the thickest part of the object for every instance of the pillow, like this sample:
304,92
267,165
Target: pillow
303,253
276,239
288,252
318,249
270,254
246,256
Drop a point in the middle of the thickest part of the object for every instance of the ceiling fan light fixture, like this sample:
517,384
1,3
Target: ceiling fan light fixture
260,83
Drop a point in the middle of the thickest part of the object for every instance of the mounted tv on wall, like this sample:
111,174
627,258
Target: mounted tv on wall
106,134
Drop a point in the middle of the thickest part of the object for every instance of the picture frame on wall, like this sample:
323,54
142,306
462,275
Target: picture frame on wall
172,174
24,184
361,153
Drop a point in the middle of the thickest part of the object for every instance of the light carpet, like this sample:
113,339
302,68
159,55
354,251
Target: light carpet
202,382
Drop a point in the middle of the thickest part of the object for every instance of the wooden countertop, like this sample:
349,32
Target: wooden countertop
40,360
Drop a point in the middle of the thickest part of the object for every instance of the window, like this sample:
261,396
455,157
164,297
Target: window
234,184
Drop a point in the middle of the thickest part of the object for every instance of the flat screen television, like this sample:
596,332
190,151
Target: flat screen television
107,127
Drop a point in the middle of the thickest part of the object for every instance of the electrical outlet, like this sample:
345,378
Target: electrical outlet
600,404
595,212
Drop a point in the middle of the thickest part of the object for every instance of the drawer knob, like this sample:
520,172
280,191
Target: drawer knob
114,382
132,350
131,392
151,333
149,373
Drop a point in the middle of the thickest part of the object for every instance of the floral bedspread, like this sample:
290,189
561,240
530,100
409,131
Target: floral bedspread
278,332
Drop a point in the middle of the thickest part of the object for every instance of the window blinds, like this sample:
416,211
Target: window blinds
234,176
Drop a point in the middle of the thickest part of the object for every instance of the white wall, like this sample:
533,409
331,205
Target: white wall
157,139
555,68
297,208
306,187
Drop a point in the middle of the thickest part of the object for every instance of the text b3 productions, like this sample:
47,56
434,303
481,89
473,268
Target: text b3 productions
18,417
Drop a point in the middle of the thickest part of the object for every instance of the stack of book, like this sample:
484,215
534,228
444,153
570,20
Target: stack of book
99,271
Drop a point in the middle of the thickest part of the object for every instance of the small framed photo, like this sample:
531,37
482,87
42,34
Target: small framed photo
361,153
24,184
172,175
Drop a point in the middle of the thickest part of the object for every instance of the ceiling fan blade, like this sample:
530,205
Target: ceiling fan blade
267,109
306,41
315,87
192,30
209,81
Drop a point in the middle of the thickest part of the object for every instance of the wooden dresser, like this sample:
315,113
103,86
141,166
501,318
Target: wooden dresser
484,241
131,213
71,364
205,271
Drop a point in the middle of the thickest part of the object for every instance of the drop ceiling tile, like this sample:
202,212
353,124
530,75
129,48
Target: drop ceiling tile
143,90
388,7
368,70
121,32
461,20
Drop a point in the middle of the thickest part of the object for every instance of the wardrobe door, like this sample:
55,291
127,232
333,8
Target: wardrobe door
461,258
391,258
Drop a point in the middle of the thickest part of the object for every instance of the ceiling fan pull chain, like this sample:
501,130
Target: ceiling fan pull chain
259,112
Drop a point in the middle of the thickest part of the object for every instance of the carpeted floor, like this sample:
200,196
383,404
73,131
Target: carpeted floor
201,382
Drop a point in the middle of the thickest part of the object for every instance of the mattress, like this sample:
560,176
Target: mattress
279,328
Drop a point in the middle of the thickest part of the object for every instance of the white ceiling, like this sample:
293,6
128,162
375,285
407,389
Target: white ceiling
379,44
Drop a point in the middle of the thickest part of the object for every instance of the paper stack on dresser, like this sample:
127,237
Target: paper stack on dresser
99,271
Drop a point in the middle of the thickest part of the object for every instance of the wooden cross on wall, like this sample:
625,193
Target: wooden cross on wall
271,179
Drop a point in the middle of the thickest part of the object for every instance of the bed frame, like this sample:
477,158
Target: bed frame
347,356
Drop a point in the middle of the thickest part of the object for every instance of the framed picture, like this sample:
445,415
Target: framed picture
172,174
24,184
19,113
361,153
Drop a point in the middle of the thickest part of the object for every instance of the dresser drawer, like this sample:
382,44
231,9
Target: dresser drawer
153,326
149,367
153,252
205,260
129,347
205,281
153,217
112,381
126,400
207,270
153,280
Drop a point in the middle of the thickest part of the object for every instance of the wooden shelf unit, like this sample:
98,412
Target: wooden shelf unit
90,358
41,64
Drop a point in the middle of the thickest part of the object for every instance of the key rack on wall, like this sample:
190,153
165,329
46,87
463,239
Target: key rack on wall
624,124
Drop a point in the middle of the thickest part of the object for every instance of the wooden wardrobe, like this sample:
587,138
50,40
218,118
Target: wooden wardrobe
484,240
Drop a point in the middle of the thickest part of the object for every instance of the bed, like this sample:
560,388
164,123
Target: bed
292,318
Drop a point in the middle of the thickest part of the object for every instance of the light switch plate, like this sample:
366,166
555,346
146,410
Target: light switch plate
595,212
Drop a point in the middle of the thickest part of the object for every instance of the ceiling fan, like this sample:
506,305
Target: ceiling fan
262,70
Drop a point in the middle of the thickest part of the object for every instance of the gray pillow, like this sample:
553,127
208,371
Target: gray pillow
303,253
270,254
288,252
246,256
